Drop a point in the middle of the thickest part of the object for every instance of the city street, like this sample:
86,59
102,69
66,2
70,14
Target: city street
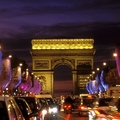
73,116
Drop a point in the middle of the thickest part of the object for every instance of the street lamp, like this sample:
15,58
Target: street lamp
97,69
115,54
10,56
104,63
20,64
93,72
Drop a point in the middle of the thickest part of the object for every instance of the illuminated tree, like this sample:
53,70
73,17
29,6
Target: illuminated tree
102,80
112,77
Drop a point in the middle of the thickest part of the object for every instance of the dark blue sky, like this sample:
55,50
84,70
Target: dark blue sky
23,20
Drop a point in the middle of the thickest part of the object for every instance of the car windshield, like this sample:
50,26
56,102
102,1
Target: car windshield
24,107
88,102
50,101
76,100
33,103
42,100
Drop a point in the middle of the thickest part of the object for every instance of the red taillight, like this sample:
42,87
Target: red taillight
67,106
30,118
82,107
64,106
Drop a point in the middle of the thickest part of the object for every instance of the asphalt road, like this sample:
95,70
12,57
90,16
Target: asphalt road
73,116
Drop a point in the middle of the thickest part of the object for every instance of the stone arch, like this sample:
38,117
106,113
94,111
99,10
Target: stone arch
63,62
49,53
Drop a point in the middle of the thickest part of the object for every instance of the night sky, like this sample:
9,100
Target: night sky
23,20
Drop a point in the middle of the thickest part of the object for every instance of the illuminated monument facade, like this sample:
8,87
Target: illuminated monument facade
78,54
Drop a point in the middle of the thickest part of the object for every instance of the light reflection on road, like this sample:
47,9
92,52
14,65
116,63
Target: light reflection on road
74,116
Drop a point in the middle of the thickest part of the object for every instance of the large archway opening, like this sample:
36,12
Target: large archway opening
63,83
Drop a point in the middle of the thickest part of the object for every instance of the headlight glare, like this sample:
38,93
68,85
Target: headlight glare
44,112
53,110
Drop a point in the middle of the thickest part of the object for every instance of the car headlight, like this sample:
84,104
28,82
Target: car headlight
44,112
53,110
33,118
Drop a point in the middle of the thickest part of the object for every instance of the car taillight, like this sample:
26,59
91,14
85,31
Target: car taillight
82,107
67,106
30,119
64,106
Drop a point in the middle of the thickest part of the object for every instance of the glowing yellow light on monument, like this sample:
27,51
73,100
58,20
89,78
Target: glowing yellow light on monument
62,43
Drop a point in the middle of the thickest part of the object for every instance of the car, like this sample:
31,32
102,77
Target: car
105,113
67,108
71,105
50,105
35,106
107,109
25,109
76,104
85,105
43,102
9,109
58,102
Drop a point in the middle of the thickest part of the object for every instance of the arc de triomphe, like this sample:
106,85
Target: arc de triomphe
78,54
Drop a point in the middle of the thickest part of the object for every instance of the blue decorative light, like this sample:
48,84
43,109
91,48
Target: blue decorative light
102,80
